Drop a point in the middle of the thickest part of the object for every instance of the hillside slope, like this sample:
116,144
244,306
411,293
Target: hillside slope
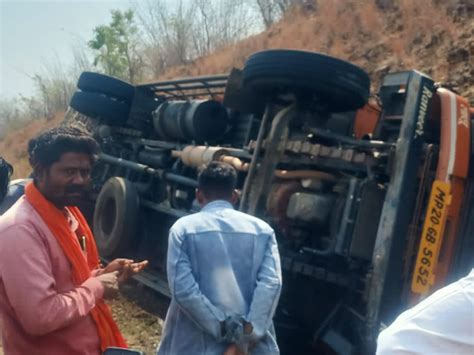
432,36
13,146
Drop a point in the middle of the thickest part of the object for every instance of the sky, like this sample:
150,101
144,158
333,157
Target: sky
36,32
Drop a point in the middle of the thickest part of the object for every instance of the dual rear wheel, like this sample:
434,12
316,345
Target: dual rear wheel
103,97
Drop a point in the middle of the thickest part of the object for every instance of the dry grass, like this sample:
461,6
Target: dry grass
355,30
13,146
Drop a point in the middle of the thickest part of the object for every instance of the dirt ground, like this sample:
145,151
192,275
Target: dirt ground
139,313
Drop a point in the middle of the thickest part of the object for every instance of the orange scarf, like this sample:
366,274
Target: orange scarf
82,266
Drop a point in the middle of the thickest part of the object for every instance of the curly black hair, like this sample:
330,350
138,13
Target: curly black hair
48,147
217,180
6,170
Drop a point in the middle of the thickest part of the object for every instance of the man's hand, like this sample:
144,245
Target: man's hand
233,350
110,283
116,265
131,269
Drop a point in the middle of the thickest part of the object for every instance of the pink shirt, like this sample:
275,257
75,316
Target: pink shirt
41,311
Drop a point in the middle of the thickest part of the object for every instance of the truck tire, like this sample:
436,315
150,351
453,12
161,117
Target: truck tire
340,85
98,106
115,216
107,85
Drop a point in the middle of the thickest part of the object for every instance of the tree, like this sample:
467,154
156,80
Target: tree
9,110
268,11
273,10
168,26
179,31
54,86
81,58
117,46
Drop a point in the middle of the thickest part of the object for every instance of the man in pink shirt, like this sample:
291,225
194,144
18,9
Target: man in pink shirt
45,305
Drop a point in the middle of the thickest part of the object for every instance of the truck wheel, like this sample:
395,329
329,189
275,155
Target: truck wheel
338,84
115,216
99,106
107,85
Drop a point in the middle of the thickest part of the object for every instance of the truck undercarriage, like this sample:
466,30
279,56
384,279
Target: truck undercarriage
370,197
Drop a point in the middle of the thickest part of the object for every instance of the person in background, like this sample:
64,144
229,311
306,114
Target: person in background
6,170
52,289
443,323
10,192
224,275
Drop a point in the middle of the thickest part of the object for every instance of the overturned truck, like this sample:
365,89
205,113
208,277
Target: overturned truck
371,196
